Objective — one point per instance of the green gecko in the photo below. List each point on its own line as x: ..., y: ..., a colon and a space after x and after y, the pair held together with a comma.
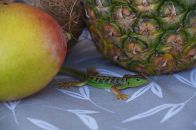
x: 93, y: 78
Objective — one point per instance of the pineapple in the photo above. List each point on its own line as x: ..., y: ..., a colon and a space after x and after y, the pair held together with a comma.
x: 149, y: 36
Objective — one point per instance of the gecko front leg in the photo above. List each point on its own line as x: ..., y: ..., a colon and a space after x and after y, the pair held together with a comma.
x: 68, y: 84
x: 118, y: 94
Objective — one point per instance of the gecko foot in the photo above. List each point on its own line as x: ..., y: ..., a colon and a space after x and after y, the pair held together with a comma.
x: 122, y: 97
x: 118, y: 94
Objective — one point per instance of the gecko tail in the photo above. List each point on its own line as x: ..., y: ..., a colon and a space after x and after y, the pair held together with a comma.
x: 73, y: 72
x: 68, y: 84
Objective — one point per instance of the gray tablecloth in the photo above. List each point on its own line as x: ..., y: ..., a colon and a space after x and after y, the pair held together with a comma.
x: 167, y: 103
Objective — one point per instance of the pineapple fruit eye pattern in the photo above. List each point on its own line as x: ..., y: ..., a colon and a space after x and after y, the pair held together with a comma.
x: 148, y: 36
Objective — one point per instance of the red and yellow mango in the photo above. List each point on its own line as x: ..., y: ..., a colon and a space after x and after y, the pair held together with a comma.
x: 32, y: 50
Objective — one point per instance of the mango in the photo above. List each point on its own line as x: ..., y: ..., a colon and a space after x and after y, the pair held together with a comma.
x: 32, y: 50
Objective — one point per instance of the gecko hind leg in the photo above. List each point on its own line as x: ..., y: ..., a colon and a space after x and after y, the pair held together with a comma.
x: 68, y: 84
x: 118, y: 94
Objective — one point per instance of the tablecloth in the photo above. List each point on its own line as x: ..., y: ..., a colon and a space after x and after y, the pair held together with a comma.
x: 168, y: 102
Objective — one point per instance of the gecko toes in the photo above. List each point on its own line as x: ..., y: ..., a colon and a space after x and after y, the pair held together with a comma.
x: 122, y: 97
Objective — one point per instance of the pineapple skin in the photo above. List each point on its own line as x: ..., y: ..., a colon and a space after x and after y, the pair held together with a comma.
x: 148, y: 36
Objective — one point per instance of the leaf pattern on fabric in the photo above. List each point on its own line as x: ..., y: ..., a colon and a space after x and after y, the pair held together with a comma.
x: 183, y: 80
x: 89, y: 121
x: 173, y: 111
x: 138, y: 93
x: 11, y: 105
x: 154, y: 87
x: 83, y: 115
x: 191, y: 82
x: 42, y: 124
x: 193, y: 76
x: 73, y: 94
x: 148, y: 113
x: 85, y: 35
x: 83, y: 95
x: 108, y: 90
x: 108, y: 72
x: 84, y: 92
x: 78, y: 111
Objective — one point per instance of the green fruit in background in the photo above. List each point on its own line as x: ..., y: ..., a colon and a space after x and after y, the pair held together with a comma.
x: 32, y: 49
x: 148, y: 36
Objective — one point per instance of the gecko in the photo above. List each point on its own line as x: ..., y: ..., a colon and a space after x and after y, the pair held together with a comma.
x: 93, y: 78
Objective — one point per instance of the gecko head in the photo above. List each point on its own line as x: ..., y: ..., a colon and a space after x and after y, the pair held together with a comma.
x: 137, y: 80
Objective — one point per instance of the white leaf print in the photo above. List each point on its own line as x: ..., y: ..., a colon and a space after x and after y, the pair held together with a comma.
x: 193, y: 76
x: 54, y: 107
x: 156, y: 89
x: 89, y: 121
x: 173, y: 111
x: 138, y: 93
x: 108, y: 90
x: 73, y: 94
x: 155, y: 78
x: 84, y: 95
x: 183, y: 80
x: 85, y: 35
x: 84, y: 92
x: 148, y: 113
x: 83, y: 111
x: 42, y: 124
x: 110, y: 73
x: 11, y: 105
x: 100, y: 107
x: 77, y: 111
